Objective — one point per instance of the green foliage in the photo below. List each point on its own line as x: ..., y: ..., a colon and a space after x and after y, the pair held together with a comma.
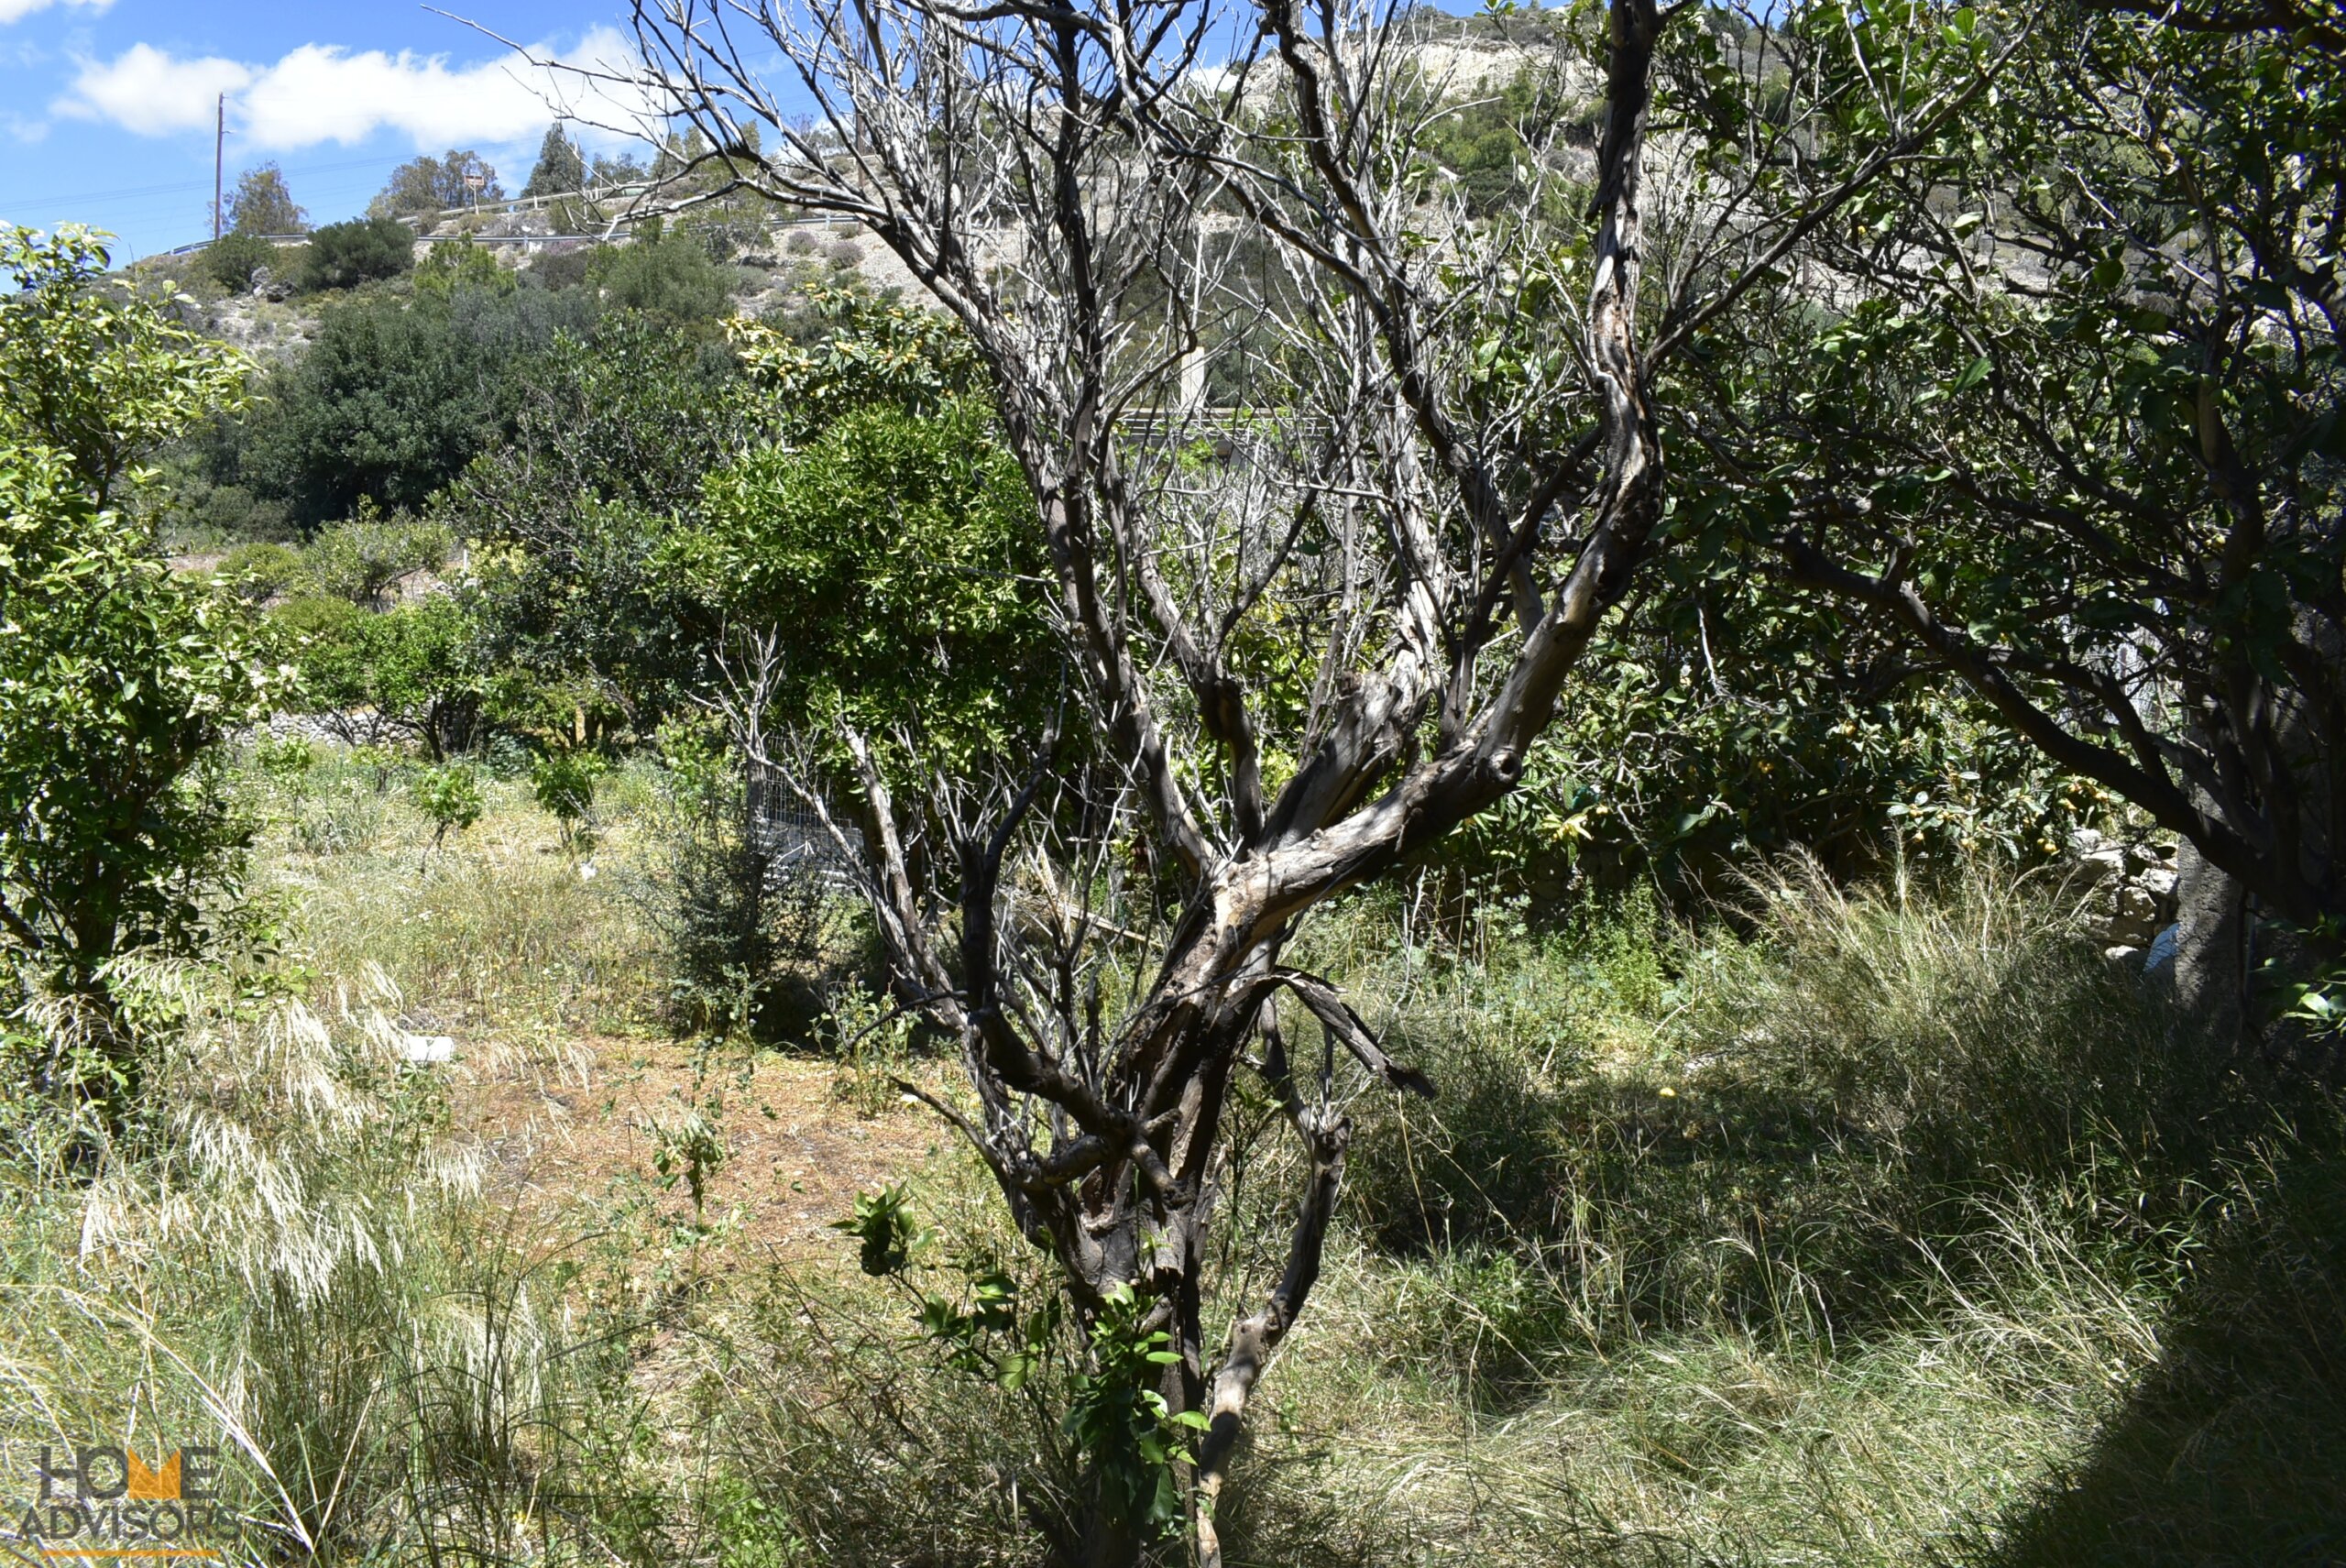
x: 450, y: 797
x: 1488, y: 143
x: 117, y: 677
x: 896, y: 559
x: 2109, y: 479
x: 1727, y: 721
x: 625, y: 168
x: 560, y: 169
x: 194, y: 512
x: 232, y: 261
x: 669, y: 276
x: 884, y: 1231
x: 361, y: 559
x: 564, y: 784
x: 261, y: 205
x: 613, y: 433
x: 95, y: 372
x: 116, y: 681
x: 688, y: 1148
x: 2308, y: 994
x: 1120, y: 1423
x: 391, y: 400
x: 345, y: 255
x: 450, y: 267
x: 260, y: 571
x: 988, y: 1332
x: 748, y: 951
x: 872, y: 1041
x: 408, y: 669
x: 426, y: 184
x: 1116, y: 1420
x: 848, y: 351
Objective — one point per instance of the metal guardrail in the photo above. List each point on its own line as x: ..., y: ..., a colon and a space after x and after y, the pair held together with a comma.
x: 416, y: 220
x: 285, y: 241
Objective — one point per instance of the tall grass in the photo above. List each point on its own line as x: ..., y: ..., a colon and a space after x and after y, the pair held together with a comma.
x: 1900, y: 1228
x: 1886, y: 1232
x: 497, y: 929
x: 289, y: 1258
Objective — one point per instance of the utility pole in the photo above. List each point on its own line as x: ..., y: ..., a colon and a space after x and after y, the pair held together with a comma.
x: 219, y: 149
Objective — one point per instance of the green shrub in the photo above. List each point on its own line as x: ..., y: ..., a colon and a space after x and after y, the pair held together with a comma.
x: 198, y: 514
x: 448, y: 267
x: 361, y: 560
x: 260, y: 573
x: 118, y: 677
x: 450, y: 797
x: 392, y: 399
x: 748, y: 947
x: 562, y: 266
x: 564, y: 783
x: 232, y: 259
x: 345, y: 255
x: 669, y: 276
x: 405, y: 671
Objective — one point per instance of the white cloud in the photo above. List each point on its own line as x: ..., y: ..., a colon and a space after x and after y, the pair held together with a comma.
x: 320, y: 93
x: 15, y: 10
x: 150, y: 93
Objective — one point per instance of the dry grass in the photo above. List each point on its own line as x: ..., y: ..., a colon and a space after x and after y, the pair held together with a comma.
x: 497, y: 929
x: 1898, y: 1232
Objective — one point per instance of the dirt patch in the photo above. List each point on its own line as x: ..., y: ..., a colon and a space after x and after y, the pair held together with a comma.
x: 566, y: 1139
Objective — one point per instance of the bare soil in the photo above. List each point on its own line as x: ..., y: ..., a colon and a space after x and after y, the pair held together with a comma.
x: 568, y: 1138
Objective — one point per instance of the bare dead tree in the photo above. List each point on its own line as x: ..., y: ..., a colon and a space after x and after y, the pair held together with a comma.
x: 1312, y: 633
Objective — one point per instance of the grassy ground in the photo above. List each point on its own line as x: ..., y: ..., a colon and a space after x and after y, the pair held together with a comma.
x: 1903, y: 1230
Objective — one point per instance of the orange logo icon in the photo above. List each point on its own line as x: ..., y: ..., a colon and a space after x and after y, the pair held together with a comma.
x: 161, y: 1484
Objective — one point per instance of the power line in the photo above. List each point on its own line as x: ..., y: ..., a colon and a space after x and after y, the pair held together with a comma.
x: 186, y: 186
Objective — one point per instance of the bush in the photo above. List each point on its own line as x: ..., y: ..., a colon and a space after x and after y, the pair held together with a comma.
x: 199, y: 514
x: 669, y: 276
x: 388, y: 405
x: 392, y: 398
x: 748, y: 947
x: 118, y: 677
x: 260, y: 573
x: 564, y: 784
x: 363, y: 559
x: 450, y: 268
x: 232, y: 260
x: 450, y: 797
x: 345, y: 255
x: 402, y: 672
x: 562, y: 266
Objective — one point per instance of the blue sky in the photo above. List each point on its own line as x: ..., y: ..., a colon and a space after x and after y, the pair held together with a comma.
x: 106, y: 106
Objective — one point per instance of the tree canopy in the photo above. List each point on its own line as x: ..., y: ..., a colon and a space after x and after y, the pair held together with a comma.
x: 263, y: 204
x: 117, y: 676
x: 428, y: 184
x: 561, y: 167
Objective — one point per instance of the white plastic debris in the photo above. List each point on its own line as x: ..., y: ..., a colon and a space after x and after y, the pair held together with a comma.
x: 427, y: 1049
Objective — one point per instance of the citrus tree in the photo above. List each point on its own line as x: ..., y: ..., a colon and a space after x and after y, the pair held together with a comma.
x: 117, y: 677
x: 2055, y: 403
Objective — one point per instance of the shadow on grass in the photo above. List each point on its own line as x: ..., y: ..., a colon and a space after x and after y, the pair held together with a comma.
x: 2233, y: 1451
